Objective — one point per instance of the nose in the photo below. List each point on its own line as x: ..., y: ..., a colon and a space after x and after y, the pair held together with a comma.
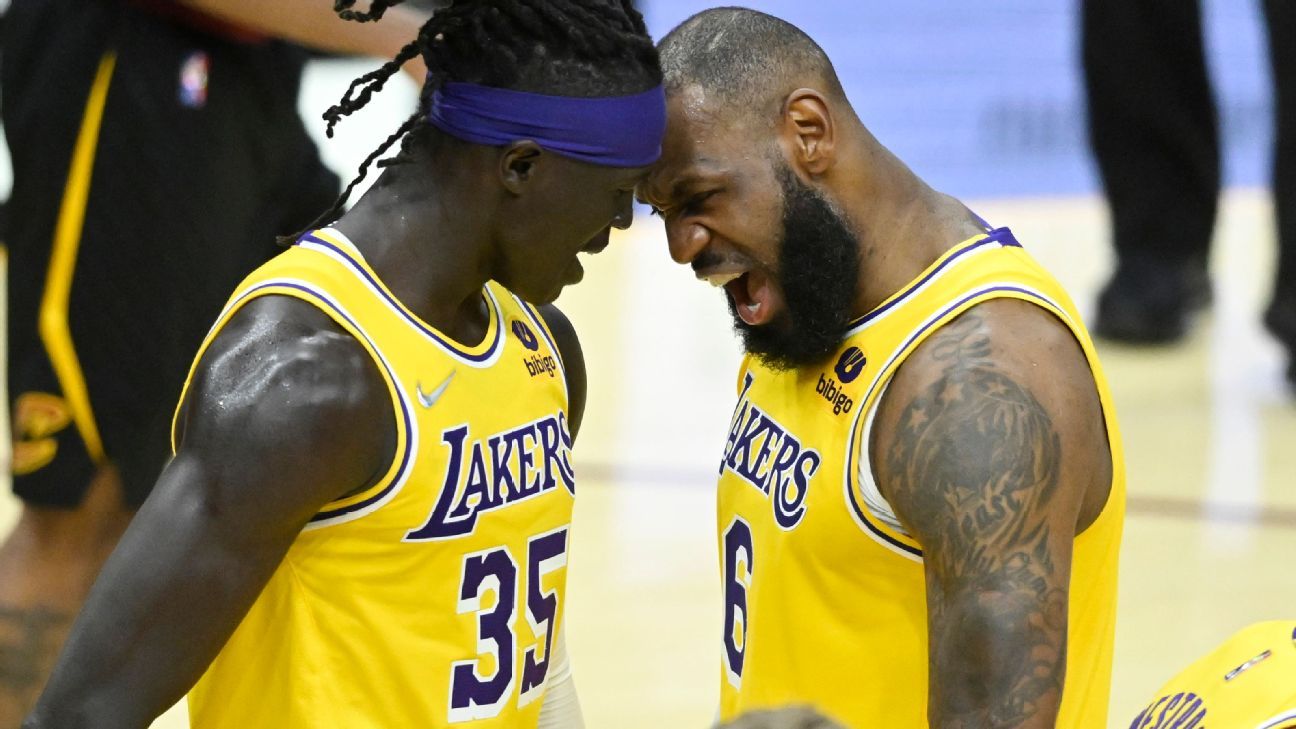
x: 686, y: 241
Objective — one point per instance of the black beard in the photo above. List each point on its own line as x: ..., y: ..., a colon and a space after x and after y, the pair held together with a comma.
x: 819, y: 276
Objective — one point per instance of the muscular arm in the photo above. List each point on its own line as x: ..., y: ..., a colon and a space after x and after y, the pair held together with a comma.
x: 286, y: 413
x: 313, y: 23
x: 991, y: 447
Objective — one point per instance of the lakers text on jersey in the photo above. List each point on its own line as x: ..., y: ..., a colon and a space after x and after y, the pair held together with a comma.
x: 825, y: 599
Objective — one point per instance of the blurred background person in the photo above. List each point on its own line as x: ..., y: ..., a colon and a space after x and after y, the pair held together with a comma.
x: 157, y: 152
x: 1154, y: 130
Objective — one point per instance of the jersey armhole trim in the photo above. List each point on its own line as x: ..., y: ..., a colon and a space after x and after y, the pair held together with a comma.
x: 875, y: 503
x: 872, y: 525
x: 1285, y: 720
x: 857, y: 459
x: 538, y: 320
x: 383, y: 490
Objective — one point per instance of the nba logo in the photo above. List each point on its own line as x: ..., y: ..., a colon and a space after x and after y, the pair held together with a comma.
x: 525, y: 335
x: 850, y: 365
x: 194, y: 73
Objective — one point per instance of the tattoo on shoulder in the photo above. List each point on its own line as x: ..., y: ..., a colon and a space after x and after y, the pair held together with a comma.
x: 974, y: 463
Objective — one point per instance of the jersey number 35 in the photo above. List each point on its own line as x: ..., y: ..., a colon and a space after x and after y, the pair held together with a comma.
x: 477, y: 696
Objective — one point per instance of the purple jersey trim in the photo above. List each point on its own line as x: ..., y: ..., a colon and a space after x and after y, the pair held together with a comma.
x: 1001, y: 236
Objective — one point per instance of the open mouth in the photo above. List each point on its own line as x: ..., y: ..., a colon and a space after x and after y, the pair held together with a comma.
x: 720, y: 280
x: 750, y: 291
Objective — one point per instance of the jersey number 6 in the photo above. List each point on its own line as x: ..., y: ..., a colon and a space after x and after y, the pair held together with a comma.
x: 737, y: 581
x: 472, y: 695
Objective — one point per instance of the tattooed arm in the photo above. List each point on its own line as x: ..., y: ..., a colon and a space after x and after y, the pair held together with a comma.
x: 991, y: 448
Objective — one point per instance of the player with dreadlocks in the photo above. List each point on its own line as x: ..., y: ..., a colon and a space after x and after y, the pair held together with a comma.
x: 366, y: 520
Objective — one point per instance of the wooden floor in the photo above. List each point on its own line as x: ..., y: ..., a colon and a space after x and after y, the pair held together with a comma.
x: 1210, y: 435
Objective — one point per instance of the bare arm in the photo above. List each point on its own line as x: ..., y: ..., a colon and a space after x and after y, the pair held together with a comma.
x: 314, y: 23
x: 990, y: 438
x: 561, y: 707
x: 262, y: 451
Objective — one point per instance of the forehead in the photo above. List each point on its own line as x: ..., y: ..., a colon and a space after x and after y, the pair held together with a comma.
x: 580, y: 173
x: 701, y: 141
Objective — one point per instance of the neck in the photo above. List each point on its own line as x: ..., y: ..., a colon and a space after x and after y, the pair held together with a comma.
x: 427, y: 236
x: 901, y: 223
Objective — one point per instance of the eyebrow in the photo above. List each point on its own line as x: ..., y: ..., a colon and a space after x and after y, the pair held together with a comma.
x: 677, y: 187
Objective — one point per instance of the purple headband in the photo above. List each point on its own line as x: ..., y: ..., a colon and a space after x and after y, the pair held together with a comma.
x: 612, y: 131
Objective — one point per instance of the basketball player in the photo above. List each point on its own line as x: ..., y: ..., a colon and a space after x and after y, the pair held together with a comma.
x: 157, y: 150
x: 366, y: 520
x: 921, y: 494
x: 1248, y: 682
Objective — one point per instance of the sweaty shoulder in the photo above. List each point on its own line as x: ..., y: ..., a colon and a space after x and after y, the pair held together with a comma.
x: 283, y: 389
x: 1002, y: 396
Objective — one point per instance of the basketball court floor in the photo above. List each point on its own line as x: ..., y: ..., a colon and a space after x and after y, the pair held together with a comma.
x: 1210, y: 436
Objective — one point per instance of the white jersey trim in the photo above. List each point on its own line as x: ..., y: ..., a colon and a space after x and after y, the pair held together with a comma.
x: 876, y: 503
x: 1280, y: 721
x: 858, y: 464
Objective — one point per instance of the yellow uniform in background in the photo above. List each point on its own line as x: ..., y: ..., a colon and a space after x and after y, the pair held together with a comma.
x: 825, y: 599
x: 433, y: 597
x: 1249, y: 682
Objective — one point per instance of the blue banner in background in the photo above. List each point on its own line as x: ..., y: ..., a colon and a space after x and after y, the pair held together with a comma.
x: 986, y: 99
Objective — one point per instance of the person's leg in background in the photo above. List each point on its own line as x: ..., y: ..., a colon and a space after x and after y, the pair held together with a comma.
x: 1280, y: 17
x: 72, y: 511
x: 1153, y: 128
x: 199, y: 163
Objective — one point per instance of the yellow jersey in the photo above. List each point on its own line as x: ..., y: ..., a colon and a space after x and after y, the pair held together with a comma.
x: 1249, y: 682
x: 825, y: 599
x: 433, y: 597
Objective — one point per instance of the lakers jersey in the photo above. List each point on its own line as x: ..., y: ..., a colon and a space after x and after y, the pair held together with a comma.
x: 433, y: 597
x: 1249, y: 682
x: 825, y: 599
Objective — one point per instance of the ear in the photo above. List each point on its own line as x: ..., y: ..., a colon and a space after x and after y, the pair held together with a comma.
x: 808, y: 131
x: 517, y: 164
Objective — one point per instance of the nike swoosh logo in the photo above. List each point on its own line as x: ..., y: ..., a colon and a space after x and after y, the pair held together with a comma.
x: 428, y: 399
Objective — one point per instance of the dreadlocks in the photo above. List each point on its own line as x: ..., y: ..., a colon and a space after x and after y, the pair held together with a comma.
x: 583, y: 48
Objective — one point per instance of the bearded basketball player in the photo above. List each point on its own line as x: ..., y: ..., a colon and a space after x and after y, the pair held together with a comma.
x: 921, y: 493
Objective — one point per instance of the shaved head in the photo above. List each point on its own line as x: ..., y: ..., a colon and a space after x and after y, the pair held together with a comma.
x: 758, y: 133
x: 744, y: 59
